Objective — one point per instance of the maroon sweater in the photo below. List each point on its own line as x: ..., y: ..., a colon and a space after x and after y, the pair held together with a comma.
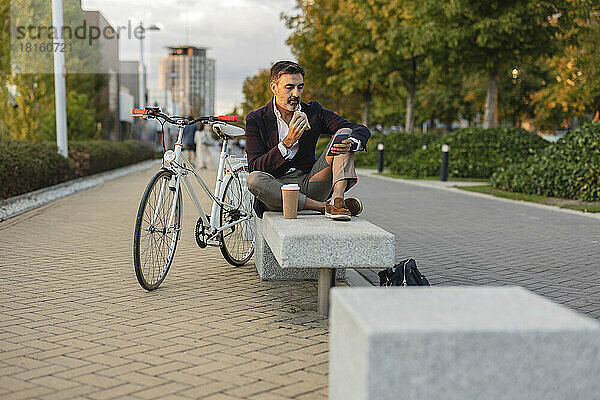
x: 262, y: 138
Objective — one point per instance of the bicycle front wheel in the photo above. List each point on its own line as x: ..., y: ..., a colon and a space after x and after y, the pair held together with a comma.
x: 237, y: 241
x: 157, y: 230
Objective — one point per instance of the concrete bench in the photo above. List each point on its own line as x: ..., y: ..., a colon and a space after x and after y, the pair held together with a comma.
x: 312, y: 247
x: 459, y: 343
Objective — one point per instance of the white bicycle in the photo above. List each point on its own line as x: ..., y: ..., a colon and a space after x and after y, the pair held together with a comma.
x: 230, y: 225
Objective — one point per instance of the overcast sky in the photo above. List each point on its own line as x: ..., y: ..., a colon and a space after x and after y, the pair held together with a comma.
x: 241, y: 35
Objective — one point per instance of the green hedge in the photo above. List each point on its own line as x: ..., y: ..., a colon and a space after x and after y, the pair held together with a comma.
x: 474, y: 152
x: 25, y: 166
x: 396, y: 144
x: 90, y: 157
x: 569, y: 169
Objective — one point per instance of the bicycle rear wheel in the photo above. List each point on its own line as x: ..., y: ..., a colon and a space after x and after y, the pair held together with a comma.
x: 154, y: 240
x: 237, y: 242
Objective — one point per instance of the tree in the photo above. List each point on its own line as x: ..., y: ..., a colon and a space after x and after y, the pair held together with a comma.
x: 448, y: 94
x: 30, y: 76
x: 516, y: 88
x: 572, y: 88
x: 34, y: 100
x: 80, y: 120
x: 492, y: 37
x: 333, y: 45
x: 352, y: 54
x: 400, y: 43
x: 256, y: 90
x: 6, y: 99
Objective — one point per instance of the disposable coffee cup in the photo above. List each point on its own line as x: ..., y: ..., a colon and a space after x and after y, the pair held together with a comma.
x: 290, y: 200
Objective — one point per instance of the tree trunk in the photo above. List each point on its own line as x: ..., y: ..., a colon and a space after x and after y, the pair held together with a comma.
x: 367, y: 99
x: 410, y: 101
x: 490, y: 117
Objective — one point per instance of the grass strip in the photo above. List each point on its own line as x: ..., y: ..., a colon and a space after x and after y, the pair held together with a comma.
x: 585, y: 206
x: 431, y: 178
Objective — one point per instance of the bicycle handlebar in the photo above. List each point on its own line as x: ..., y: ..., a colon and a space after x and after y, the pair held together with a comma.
x: 154, y: 112
x: 227, y: 118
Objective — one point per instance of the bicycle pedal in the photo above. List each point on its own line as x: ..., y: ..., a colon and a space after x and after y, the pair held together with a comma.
x: 213, y: 243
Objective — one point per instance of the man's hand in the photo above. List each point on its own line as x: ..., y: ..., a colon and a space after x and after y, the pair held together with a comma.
x: 342, y: 148
x: 298, y: 125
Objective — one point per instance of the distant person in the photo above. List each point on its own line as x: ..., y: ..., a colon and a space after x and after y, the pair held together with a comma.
x: 203, y: 143
x: 189, y: 147
x: 280, y: 143
x: 596, y: 116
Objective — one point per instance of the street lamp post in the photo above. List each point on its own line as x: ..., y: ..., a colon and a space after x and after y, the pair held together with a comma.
x: 59, y: 82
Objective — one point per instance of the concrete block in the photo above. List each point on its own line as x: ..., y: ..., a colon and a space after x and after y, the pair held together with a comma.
x: 459, y: 343
x: 312, y: 241
x: 269, y: 270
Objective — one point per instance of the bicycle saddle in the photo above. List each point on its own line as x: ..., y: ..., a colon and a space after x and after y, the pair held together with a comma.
x: 229, y: 131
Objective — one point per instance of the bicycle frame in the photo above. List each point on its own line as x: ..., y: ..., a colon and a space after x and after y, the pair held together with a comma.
x: 181, y: 166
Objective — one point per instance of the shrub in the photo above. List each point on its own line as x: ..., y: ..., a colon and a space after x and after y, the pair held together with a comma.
x: 474, y: 152
x: 26, y: 166
x: 396, y: 144
x: 90, y: 157
x: 569, y: 169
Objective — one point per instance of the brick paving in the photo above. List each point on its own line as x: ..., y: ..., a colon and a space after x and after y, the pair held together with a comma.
x: 459, y: 239
x: 74, y: 323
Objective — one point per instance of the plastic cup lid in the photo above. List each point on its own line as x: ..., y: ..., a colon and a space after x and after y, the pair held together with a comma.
x: 290, y: 186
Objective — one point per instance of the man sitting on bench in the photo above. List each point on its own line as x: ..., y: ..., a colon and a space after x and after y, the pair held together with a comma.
x: 280, y: 143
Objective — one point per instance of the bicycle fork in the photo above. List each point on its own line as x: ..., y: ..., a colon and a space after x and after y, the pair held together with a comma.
x: 163, y: 188
x: 178, y: 146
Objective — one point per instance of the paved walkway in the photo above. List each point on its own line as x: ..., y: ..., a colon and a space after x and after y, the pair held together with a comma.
x: 74, y: 323
x: 461, y: 239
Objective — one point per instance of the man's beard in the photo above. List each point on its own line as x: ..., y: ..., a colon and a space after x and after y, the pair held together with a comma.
x: 294, y: 101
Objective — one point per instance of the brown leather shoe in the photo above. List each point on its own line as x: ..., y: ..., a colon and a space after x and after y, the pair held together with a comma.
x: 337, y: 210
x: 353, y: 205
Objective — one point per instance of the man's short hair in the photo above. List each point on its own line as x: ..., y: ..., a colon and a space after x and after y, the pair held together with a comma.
x: 285, y: 67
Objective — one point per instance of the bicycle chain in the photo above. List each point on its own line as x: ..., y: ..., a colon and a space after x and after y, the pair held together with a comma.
x: 201, y: 236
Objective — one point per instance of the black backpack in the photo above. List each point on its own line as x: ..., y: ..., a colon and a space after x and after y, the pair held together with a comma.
x: 405, y: 273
